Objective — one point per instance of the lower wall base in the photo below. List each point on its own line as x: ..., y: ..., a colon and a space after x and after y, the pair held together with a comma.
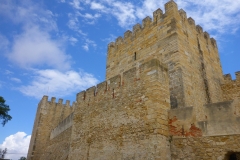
x: 152, y: 147
x: 205, y: 148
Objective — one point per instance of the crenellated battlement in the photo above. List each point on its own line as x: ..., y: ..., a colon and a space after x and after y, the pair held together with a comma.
x: 157, y: 15
x: 206, y: 35
x: 231, y: 87
x: 228, y: 78
x: 159, y: 19
x: 198, y: 28
x: 191, y: 21
x: 59, y: 102
x: 109, y: 88
x: 183, y: 14
x: 137, y: 28
x: 147, y: 24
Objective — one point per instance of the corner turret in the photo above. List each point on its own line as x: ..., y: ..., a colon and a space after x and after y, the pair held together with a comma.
x: 171, y: 8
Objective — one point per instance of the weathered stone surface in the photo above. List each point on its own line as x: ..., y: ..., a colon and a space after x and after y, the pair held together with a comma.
x: 205, y: 148
x: 125, y: 121
x: 164, y: 98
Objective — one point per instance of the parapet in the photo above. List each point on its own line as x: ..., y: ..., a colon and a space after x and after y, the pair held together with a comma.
x: 206, y: 35
x: 90, y: 93
x: 107, y: 88
x: 183, y: 14
x: 237, y: 75
x: 213, y: 41
x: 44, y: 98
x: 191, y: 21
x: 127, y: 34
x: 158, y: 16
x: 228, y: 78
x: 53, y: 100
x: 119, y: 40
x: 171, y: 6
x: 136, y: 28
x: 146, y: 22
x: 199, y: 29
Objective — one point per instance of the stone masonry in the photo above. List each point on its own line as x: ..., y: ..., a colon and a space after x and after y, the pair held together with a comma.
x: 164, y: 98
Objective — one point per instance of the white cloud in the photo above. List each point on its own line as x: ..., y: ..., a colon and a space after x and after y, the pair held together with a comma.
x: 28, y: 13
x: 111, y: 38
x: 73, y: 24
x: 214, y: 15
x: 17, y: 145
x: 88, y: 43
x: 36, y: 48
x: 34, y: 45
x: 148, y: 7
x: 73, y: 40
x: 16, y: 80
x: 85, y: 47
x: 89, y: 18
x: 95, y: 5
x: 76, y: 4
x: 218, y: 16
x: 54, y: 82
x: 123, y: 11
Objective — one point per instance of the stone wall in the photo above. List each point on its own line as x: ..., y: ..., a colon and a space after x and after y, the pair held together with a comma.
x: 205, y: 148
x: 49, y: 115
x: 58, y: 148
x: 215, y: 138
x: 124, y: 117
x: 62, y: 126
x: 220, y: 119
x: 231, y: 88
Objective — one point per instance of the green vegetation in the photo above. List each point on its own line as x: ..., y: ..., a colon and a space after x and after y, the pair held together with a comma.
x: 4, y: 116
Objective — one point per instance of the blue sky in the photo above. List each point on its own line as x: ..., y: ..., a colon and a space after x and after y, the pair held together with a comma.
x: 59, y: 48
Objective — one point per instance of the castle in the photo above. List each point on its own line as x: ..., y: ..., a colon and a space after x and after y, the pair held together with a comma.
x: 164, y: 98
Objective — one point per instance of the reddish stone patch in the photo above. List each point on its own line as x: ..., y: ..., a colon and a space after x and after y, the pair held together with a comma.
x: 174, y: 131
x: 194, y: 131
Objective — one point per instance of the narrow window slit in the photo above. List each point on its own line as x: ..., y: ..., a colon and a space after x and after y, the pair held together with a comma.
x: 113, y: 94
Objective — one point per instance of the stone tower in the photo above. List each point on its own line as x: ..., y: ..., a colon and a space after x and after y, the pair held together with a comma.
x: 49, y: 115
x: 192, y: 58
